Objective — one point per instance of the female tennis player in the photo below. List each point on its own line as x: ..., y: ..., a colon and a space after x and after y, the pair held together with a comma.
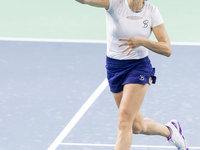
x: 129, y: 70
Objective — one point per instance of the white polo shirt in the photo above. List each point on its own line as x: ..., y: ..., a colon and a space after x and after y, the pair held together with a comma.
x: 122, y: 22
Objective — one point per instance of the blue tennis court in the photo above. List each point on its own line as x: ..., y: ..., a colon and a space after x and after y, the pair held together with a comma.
x: 54, y: 95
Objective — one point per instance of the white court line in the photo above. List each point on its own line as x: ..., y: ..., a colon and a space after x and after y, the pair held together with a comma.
x: 113, y: 145
x: 93, y: 97
x: 186, y: 43
x: 79, y: 114
x: 51, y: 40
x: 80, y: 41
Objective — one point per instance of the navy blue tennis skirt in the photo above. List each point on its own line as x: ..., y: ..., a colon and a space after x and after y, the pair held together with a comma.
x: 121, y: 72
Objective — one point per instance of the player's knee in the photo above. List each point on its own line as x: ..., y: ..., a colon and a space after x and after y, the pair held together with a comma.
x: 138, y: 128
x: 124, y: 121
x: 123, y: 125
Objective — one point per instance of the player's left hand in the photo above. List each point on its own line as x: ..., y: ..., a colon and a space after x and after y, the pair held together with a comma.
x: 131, y: 43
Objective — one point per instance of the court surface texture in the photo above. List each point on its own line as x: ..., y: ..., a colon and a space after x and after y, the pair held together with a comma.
x: 54, y: 95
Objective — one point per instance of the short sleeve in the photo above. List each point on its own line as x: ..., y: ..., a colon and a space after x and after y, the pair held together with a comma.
x: 113, y: 5
x: 156, y: 18
x: 110, y: 6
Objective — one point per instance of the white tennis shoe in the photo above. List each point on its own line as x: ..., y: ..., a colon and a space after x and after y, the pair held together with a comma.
x: 176, y: 138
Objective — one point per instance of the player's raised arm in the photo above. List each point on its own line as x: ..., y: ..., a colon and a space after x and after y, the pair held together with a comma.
x: 95, y: 3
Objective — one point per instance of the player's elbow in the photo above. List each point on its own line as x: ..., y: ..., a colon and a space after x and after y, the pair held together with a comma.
x: 168, y: 52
